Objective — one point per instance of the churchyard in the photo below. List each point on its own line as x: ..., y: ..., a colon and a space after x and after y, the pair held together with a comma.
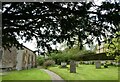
x: 87, y: 72
x: 72, y: 71
x: 74, y: 26
x: 69, y: 66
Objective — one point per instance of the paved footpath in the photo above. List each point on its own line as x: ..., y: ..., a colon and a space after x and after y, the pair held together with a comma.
x: 54, y: 76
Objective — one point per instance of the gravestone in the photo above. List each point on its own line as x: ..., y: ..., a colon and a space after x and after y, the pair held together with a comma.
x: 63, y: 64
x: 103, y: 62
x: 98, y: 64
x: 77, y: 63
x: 118, y: 64
x: 86, y: 62
x: 114, y: 63
x: 72, y: 66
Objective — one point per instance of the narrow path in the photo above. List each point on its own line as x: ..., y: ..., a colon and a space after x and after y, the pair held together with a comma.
x: 54, y: 77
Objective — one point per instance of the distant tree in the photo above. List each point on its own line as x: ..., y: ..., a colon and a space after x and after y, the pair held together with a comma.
x: 53, y: 22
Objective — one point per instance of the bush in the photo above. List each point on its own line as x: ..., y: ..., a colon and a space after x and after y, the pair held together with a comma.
x: 40, y: 60
x: 48, y: 63
x: 109, y: 63
x: 105, y: 66
x: 92, y: 63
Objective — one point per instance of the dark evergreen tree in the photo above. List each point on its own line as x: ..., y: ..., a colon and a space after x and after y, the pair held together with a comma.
x: 54, y: 22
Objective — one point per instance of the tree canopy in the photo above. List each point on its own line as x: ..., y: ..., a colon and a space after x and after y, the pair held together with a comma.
x: 114, y: 47
x: 52, y: 22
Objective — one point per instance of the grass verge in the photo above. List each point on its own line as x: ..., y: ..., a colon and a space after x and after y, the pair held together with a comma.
x: 31, y: 74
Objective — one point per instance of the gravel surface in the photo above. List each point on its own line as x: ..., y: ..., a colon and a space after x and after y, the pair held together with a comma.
x: 54, y: 76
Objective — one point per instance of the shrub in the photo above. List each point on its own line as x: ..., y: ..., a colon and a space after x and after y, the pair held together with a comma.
x: 48, y: 63
x: 92, y: 63
x: 40, y: 60
x: 105, y: 66
x: 109, y: 63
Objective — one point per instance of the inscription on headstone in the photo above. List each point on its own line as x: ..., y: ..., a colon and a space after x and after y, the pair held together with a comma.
x: 72, y: 66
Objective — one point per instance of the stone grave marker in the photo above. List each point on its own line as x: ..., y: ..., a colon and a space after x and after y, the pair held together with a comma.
x: 63, y: 64
x: 114, y: 63
x: 72, y: 66
x: 98, y: 64
x: 118, y: 64
x: 103, y: 62
x: 89, y: 62
x: 77, y: 63
x: 86, y: 62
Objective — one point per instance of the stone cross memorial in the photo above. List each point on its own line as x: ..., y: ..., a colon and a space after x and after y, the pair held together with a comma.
x: 98, y: 64
x: 72, y: 66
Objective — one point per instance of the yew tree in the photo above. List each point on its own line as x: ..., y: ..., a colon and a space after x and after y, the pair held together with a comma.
x: 56, y: 22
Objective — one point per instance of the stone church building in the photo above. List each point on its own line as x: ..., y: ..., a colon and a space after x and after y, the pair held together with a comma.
x: 17, y: 59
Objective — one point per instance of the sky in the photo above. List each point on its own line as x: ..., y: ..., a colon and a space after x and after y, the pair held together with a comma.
x: 32, y: 44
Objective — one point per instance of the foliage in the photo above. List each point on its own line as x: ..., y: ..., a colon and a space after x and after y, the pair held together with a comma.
x: 69, y: 54
x: 105, y: 66
x: 52, y: 22
x: 40, y: 60
x: 118, y: 58
x: 114, y: 47
x: 48, y: 63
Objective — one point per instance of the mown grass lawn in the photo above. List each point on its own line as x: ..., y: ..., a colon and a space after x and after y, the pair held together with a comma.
x: 87, y: 72
x: 31, y: 74
x: 0, y: 78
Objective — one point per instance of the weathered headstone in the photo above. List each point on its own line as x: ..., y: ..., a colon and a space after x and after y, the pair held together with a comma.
x: 118, y: 64
x: 89, y: 62
x: 72, y: 66
x: 86, y: 62
x: 98, y: 64
x: 63, y: 64
x: 114, y: 63
x: 103, y: 62
x: 77, y: 63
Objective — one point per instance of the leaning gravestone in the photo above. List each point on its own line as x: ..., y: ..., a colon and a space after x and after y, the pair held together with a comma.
x: 98, y: 64
x: 72, y: 66
x: 63, y: 64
